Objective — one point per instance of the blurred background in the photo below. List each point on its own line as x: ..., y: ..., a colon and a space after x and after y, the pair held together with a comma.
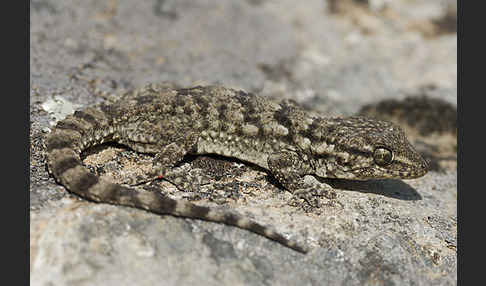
x: 333, y: 55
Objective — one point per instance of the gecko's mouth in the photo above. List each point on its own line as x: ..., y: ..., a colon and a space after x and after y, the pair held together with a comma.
x: 416, y: 174
x: 370, y: 173
x: 416, y: 171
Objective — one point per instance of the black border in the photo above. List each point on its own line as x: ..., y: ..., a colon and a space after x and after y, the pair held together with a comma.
x: 463, y: 193
x: 460, y: 133
x: 20, y: 92
x: 461, y: 276
x: 15, y: 140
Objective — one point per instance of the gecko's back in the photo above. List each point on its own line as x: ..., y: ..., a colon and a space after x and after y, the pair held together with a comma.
x: 226, y: 121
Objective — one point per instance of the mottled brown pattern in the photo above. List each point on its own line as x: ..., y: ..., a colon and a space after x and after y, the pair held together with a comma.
x: 282, y: 138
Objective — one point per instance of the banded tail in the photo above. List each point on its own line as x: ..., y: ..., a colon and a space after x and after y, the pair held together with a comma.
x: 64, y: 146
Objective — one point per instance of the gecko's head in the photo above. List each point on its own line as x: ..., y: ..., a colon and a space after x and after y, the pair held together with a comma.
x: 361, y: 148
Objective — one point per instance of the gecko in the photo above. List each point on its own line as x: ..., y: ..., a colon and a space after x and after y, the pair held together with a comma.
x: 292, y: 144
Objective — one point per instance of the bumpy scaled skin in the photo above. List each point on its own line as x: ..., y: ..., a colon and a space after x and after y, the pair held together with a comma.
x: 282, y: 138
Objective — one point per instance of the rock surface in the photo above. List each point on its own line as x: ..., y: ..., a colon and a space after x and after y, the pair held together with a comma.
x: 331, y: 56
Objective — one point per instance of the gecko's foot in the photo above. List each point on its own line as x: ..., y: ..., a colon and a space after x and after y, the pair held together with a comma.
x: 312, y: 199
x: 187, y: 180
x: 313, y: 195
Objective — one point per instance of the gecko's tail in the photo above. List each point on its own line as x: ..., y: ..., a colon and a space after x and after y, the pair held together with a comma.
x: 63, y: 159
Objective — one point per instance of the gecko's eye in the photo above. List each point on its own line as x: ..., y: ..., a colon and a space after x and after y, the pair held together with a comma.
x: 382, y: 156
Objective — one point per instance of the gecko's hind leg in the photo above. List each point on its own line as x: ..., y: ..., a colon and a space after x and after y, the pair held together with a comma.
x: 165, y: 166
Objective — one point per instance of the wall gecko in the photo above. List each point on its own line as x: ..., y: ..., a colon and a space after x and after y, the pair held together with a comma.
x: 294, y: 145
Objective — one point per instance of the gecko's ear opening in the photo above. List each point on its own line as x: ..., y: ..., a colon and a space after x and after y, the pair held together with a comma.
x: 382, y: 156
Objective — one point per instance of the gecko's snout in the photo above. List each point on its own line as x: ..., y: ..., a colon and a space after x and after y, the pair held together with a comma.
x: 420, y: 168
x: 423, y: 167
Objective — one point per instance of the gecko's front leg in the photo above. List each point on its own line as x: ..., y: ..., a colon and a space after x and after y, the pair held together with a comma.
x: 294, y: 172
